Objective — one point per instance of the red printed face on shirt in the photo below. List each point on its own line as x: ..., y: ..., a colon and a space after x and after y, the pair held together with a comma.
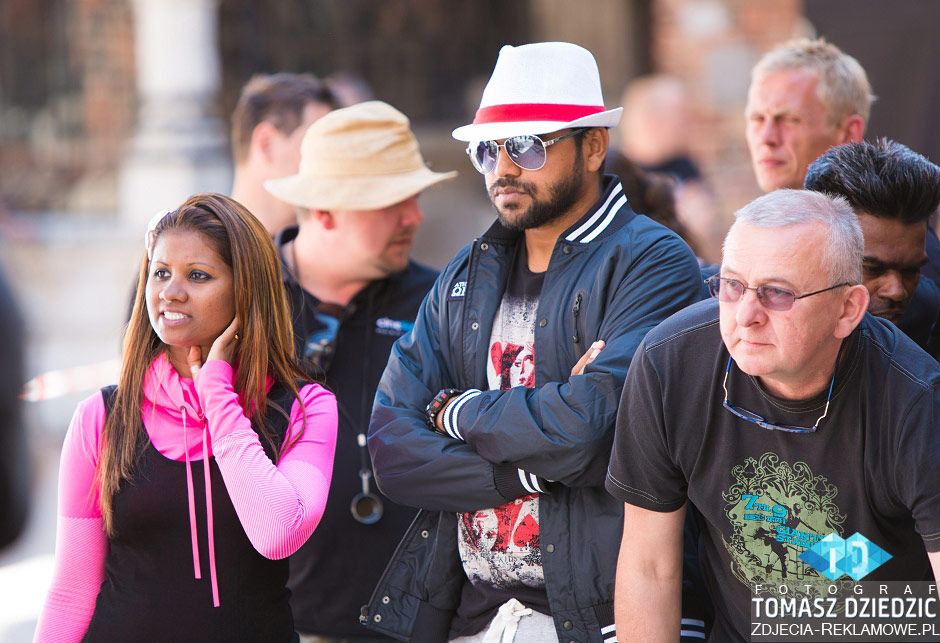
x: 522, y: 371
x: 190, y: 292
x: 515, y: 364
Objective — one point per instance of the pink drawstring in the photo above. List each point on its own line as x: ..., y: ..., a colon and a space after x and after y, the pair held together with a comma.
x: 192, y: 510
x: 192, y: 500
x: 209, y: 523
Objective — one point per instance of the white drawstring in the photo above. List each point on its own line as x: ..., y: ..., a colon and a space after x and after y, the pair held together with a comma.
x: 503, y: 627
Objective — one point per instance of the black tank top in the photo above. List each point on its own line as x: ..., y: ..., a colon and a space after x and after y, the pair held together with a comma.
x: 150, y: 593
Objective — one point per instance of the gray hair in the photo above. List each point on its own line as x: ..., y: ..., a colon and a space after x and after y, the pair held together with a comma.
x: 843, y: 254
x: 843, y: 87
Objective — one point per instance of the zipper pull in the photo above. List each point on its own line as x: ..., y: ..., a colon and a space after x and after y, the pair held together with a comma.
x: 575, y: 310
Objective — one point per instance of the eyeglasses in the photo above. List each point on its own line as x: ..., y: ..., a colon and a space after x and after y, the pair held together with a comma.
x: 772, y: 297
x: 527, y: 151
x: 762, y: 422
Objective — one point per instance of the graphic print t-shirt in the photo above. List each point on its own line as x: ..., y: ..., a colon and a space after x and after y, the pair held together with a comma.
x: 499, y: 547
x: 769, y: 498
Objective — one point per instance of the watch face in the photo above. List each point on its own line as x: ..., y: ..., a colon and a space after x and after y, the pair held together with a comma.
x: 439, y: 402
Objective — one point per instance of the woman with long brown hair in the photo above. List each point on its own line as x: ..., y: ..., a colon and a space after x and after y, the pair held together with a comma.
x: 152, y: 544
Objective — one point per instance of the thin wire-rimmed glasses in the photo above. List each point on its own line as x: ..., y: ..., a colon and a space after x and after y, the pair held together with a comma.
x: 761, y: 421
x: 527, y: 151
x: 772, y: 297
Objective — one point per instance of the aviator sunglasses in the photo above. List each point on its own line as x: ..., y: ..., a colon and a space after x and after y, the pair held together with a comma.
x: 526, y: 150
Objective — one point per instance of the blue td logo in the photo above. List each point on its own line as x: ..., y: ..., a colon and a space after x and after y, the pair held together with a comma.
x: 856, y: 556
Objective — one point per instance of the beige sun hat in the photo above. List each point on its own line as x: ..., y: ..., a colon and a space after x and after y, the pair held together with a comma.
x: 362, y: 157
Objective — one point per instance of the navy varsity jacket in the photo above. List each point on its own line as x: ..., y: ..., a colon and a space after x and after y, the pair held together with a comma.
x: 613, y: 275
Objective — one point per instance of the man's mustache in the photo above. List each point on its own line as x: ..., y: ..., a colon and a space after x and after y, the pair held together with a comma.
x: 509, y: 182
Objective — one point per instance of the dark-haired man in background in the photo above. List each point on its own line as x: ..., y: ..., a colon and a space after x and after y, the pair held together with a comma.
x: 268, y: 123
x: 894, y: 191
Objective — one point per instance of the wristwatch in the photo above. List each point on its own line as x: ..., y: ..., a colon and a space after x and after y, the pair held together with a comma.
x: 439, y: 402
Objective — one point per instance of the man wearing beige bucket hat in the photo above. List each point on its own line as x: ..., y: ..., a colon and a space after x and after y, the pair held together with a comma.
x: 491, y: 417
x: 353, y: 292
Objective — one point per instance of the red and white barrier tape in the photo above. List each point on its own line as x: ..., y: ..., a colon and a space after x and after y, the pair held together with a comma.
x: 53, y: 384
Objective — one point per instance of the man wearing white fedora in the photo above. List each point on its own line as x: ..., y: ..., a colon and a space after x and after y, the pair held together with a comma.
x: 353, y: 291
x: 491, y: 417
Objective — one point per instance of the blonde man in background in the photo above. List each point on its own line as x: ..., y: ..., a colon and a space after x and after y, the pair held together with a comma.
x: 805, y: 97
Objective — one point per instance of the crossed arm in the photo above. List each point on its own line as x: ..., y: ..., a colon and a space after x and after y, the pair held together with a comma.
x: 577, y: 369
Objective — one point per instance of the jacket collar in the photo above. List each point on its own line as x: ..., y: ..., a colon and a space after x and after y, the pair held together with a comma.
x: 599, y: 221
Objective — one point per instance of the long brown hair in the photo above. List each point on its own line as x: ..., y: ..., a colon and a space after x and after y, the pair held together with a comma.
x: 265, y: 347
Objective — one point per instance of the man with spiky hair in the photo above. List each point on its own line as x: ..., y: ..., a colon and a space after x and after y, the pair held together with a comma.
x: 797, y: 425
x: 893, y: 191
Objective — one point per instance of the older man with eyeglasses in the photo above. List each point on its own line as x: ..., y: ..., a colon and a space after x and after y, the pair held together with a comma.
x: 517, y: 538
x: 789, y: 419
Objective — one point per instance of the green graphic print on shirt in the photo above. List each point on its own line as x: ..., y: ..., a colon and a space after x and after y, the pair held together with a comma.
x: 776, y: 511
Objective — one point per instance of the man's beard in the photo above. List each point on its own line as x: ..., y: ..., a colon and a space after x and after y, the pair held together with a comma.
x: 562, y: 196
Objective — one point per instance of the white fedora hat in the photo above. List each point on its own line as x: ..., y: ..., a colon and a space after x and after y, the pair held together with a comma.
x: 362, y: 157
x: 540, y: 88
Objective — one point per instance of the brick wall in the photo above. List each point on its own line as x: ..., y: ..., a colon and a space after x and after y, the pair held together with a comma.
x: 102, y: 56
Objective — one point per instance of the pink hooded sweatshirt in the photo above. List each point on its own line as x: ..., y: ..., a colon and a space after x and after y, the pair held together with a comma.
x: 279, y: 506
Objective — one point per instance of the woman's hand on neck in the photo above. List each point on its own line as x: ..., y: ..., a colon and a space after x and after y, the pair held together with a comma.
x: 183, y: 358
x: 188, y: 360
